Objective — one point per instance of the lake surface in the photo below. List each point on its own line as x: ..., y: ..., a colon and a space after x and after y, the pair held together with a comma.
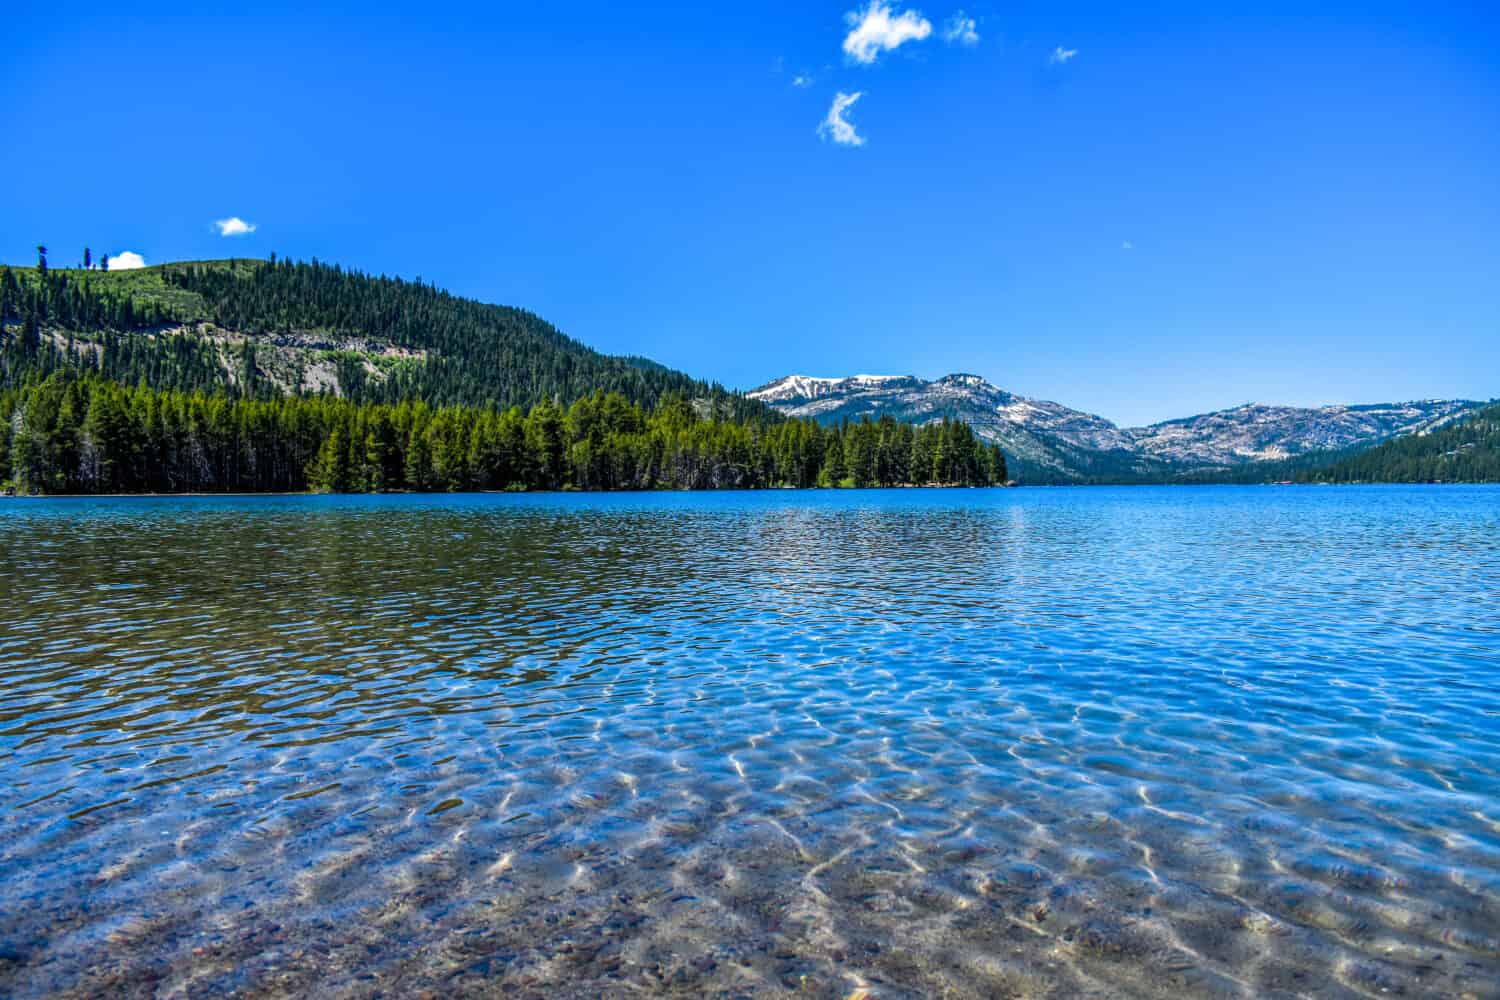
x: 1112, y: 742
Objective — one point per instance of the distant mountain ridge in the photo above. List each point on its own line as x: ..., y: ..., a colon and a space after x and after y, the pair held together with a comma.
x: 1258, y: 433
x: 1050, y: 442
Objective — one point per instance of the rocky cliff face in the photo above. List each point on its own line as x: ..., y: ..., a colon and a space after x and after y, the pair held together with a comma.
x: 1048, y: 441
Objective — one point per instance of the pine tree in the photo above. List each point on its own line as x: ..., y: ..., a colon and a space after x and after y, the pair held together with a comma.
x: 330, y: 471
x: 834, y: 470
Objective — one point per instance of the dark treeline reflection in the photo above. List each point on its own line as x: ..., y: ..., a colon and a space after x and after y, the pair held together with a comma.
x: 83, y: 434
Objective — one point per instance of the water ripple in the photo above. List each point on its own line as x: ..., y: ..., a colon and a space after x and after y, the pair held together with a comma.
x: 1133, y: 742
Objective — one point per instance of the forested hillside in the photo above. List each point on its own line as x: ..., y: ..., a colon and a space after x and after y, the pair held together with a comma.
x: 1464, y: 452
x: 86, y: 434
x: 256, y: 376
x: 257, y: 329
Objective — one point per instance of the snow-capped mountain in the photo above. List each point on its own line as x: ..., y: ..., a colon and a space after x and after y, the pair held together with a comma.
x: 1048, y: 441
x: 810, y: 388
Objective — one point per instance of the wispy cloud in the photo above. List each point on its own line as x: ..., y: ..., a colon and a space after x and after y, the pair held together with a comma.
x: 129, y: 260
x: 876, y: 29
x: 234, y: 226
x: 961, y: 30
x: 802, y: 81
x: 1127, y: 245
x: 1061, y: 55
x: 838, y: 128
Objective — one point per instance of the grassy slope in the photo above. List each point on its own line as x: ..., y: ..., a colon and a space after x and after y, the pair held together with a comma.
x: 146, y: 284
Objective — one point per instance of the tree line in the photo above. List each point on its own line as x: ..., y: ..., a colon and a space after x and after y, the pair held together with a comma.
x: 82, y: 434
x: 87, y: 263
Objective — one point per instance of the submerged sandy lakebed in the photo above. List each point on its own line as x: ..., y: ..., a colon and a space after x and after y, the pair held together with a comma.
x: 1114, y: 742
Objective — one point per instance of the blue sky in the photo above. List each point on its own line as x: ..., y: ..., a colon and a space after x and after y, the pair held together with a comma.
x: 1192, y: 210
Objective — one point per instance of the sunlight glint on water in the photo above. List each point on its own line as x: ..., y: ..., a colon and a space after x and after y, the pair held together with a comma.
x: 1202, y: 742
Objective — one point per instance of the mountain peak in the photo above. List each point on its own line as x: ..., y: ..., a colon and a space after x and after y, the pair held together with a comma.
x: 965, y: 379
x: 1054, y: 443
x: 810, y: 387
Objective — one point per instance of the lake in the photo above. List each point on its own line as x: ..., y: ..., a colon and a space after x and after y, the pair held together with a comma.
x: 1121, y: 742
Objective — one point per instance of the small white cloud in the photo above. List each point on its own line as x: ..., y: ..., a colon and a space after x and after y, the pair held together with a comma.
x: 836, y: 127
x: 961, y: 30
x: 127, y: 261
x: 875, y: 29
x: 1127, y: 245
x: 802, y: 81
x: 1061, y: 55
x: 234, y: 226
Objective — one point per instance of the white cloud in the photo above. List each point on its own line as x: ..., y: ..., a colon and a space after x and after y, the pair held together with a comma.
x: 1061, y: 55
x: 234, y: 226
x: 836, y: 126
x: 802, y: 81
x: 1127, y: 245
x: 127, y: 261
x: 961, y: 30
x: 874, y: 30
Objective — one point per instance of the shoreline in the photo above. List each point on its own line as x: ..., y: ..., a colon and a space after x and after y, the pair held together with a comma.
x: 478, y: 493
x: 765, y: 489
